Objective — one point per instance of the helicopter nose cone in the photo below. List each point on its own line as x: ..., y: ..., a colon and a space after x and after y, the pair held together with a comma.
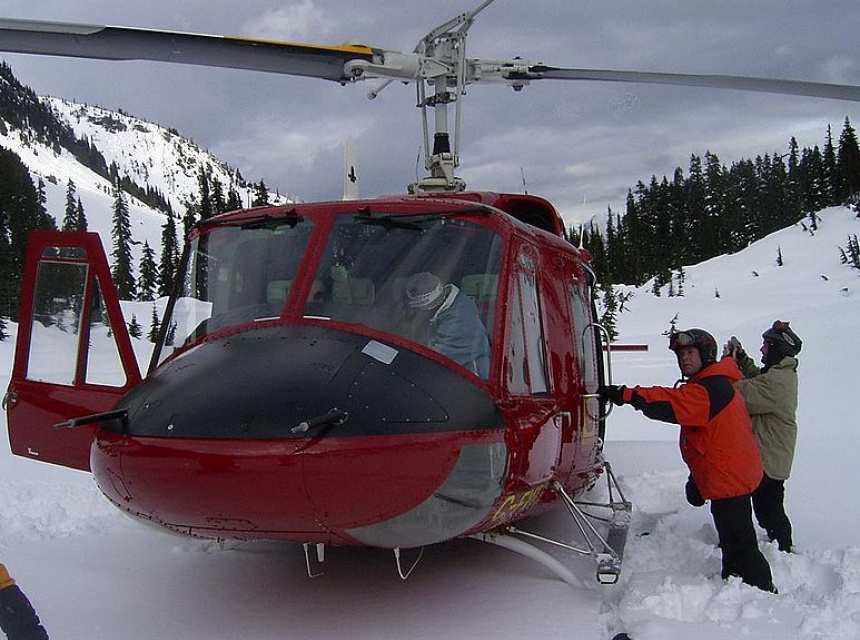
x: 306, y: 434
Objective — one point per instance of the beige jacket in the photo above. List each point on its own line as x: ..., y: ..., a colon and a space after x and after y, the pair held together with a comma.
x: 771, y: 399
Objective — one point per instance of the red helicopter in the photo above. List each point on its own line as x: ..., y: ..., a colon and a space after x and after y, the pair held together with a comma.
x: 308, y: 384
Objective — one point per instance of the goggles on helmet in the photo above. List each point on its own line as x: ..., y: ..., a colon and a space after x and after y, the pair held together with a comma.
x: 681, y: 339
x: 699, y: 339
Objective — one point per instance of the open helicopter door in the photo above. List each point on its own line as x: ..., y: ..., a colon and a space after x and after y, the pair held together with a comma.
x: 73, y: 355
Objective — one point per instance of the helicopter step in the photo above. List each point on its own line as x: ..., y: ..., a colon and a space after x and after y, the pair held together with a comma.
x: 606, y: 550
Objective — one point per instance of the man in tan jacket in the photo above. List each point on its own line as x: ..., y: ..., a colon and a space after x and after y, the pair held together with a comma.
x: 770, y: 394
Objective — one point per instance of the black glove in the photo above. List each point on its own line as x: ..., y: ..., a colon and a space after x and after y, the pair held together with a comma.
x: 694, y: 496
x: 733, y: 348
x: 612, y: 393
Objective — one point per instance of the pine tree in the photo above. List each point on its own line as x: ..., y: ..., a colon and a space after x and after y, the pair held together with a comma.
x: 206, y: 210
x: 696, y: 210
x: 793, y: 195
x: 829, y: 173
x: 121, y: 235
x: 610, y: 311
x: 234, y: 201
x: 779, y: 261
x: 848, y: 165
x: 614, y: 254
x: 81, y: 217
x: 261, y: 195
x: 154, y: 326
x: 70, y: 219
x: 147, y: 283
x: 169, y: 256
x: 814, y: 180
x: 714, y: 236
x: 134, y: 329
x: 219, y: 205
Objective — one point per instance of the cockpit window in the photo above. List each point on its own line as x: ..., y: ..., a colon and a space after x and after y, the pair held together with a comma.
x: 236, y: 274
x: 429, y: 279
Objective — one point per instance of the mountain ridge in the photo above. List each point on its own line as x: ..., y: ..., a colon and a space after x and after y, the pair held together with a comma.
x: 151, y: 156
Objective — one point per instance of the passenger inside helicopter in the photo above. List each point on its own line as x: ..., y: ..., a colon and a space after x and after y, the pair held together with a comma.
x: 368, y: 262
x: 454, y: 326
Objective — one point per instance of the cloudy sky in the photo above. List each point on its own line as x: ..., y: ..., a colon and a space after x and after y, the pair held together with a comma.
x: 582, y: 145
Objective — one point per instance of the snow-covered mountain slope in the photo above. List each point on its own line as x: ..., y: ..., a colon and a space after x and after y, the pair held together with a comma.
x: 148, y: 153
x: 151, y: 155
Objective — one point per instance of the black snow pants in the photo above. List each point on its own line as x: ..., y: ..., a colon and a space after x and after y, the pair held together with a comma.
x: 739, y: 544
x: 768, y: 504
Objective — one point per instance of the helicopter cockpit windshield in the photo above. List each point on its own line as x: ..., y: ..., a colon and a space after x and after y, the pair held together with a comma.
x: 237, y: 274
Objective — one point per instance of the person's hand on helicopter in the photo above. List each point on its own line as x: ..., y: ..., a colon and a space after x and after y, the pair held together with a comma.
x: 613, y: 393
x: 733, y: 348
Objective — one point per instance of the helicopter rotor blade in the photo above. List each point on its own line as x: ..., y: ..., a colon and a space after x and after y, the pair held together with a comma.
x: 347, y: 63
x: 744, y: 83
x: 126, y: 43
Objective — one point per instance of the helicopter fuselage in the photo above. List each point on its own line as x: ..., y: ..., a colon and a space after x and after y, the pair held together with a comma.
x: 295, y: 394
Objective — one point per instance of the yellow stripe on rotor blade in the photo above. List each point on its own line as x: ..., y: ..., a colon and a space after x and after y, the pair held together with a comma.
x: 351, y: 49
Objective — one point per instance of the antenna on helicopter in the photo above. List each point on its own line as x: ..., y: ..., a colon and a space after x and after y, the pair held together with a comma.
x: 350, y: 180
x: 525, y: 186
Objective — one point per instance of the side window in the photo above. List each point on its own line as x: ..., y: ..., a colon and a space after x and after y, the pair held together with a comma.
x: 66, y: 319
x: 585, y: 339
x: 526, y: 366
x: 515, y: 365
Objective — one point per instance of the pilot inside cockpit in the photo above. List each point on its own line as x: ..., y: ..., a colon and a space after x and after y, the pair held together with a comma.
x: 454, y: 326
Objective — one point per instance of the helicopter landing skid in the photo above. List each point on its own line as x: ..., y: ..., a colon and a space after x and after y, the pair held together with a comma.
x: 607, y: 551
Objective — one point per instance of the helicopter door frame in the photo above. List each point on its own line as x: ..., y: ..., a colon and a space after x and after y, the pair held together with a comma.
x: 587, y: 344
x: 63, y: 336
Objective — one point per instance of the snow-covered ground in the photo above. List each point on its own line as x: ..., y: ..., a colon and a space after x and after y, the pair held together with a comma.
x: 92, y: 573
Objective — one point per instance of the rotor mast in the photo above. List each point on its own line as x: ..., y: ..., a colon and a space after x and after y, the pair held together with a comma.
x: 443, y: 56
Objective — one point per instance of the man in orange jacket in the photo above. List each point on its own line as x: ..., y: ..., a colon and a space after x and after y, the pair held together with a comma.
x: 717, y: 443
x: 18, y: 619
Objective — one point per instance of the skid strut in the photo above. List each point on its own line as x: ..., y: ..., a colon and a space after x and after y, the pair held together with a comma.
x: 608, y: 551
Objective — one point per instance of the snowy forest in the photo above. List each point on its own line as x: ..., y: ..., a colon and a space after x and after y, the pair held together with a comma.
x: 715, y: 210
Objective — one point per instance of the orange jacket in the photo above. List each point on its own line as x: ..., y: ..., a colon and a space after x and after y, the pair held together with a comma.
x: 717, y: 440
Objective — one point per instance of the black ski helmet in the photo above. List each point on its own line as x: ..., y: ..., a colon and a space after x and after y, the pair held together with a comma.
x: 781, y: 341
x: 699, y: 338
